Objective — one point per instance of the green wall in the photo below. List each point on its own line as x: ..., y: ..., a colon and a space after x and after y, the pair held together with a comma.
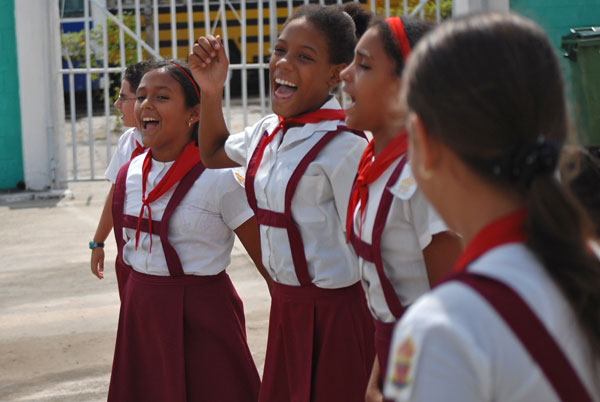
x: 557, y: 17
x: 11, y: 155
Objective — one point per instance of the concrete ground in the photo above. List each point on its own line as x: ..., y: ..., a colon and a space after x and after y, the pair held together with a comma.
x: 57, y: 321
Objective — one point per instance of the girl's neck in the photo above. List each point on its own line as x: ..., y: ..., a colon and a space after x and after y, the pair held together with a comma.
x: 383, y: 136
x: 169, y: 154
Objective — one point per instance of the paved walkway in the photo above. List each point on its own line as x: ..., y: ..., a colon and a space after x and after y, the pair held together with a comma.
x: 58, y: 321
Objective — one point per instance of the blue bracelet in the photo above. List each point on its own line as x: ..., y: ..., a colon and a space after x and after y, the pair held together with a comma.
x: 93, y: 245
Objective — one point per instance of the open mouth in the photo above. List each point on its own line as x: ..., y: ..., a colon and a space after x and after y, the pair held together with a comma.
x: 284, y: 89
x: 149, y: 123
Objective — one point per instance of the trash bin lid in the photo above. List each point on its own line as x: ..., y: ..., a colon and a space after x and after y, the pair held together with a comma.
x: 583, y: 36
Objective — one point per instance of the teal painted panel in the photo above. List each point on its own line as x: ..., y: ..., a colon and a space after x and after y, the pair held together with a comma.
x: 556, y: 17
x: 11, y: 153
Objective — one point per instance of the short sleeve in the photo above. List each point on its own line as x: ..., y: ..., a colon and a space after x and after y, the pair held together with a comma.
x: 120, y: 157
x: 426, y: 220
x: 232, y: 200
x: 342, y: 177
x: 431, y: 358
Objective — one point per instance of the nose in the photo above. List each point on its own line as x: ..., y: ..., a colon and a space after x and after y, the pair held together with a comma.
x: 283, y: 62
x: 346, y: 73
x: 117, y: 103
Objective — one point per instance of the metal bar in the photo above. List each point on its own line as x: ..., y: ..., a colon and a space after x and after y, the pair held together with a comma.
x: 88, y: 85
x: 121, y: 38
x: 106, y: 90
x: 226, y: 45
x: 73, y: 119
x: 92, y: 70
x: 418, y: 8
x: 126, y: 29
x: 173, y: 30
x: 190, y: 21
x: 387, y: 8
x: 405, y: 7
x: 373, y: 8
x: 290, y: 7
x: 261, y: 51
x: 244, y: 69
x: 438, y: 13
x: 155, y: 24
x: 207, y: 18
x: 138, y: 29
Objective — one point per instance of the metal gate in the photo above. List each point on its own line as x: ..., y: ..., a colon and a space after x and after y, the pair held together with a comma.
x: 166, y: 29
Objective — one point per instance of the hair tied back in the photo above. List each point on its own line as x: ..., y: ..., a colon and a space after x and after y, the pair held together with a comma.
x: 397, y: 28
x: 522, y: 163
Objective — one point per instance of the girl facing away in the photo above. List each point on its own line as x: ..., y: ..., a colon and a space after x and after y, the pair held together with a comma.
x: 300, y: 162
x: 520, y: 321
x: 402, y: 244
x: 181, y: 333
x: 128, y: 147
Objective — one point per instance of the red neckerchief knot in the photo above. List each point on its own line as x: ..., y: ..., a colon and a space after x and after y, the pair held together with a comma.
x: 310, y: 117
x: 508, y: 229
x: 369, y: 170
x: 182, y: 165
x: 139, y: 149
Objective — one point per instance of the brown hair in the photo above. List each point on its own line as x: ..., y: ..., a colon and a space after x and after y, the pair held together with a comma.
x: 498, y: 103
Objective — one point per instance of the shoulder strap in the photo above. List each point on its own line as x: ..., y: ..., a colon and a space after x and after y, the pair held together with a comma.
x: 173, y: 261
x: 532, y: 333
x: 389, y: 293
x: 118, y: 205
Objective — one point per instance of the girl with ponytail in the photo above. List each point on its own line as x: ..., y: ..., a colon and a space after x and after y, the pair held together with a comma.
x: 520, y: 319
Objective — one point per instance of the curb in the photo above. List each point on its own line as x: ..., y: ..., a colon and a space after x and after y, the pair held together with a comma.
x: 35, y: 195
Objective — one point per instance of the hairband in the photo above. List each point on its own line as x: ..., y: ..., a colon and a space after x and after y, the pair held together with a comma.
x: 397, y: 28
x: 190, y: 78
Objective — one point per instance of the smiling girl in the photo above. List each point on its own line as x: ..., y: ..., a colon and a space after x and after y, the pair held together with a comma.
x: 300, y: 166
x: 129, y: 146
x: 402, y: 244
x: 181, y: 334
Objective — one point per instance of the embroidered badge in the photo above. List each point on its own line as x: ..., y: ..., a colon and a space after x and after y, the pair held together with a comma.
x: 239, y: 174
x: 406, y: 185
x: 400, y: 374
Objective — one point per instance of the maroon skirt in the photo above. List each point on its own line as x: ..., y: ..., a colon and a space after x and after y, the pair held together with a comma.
x: 182, y: 339
x: 320, y: 345
x: 383, y: 340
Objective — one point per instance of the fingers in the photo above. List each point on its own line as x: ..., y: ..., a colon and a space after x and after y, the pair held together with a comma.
x: 97, y: 262
x: 206, y: 49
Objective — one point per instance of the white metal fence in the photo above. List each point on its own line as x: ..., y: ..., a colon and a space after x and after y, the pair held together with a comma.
x: 91, y: 135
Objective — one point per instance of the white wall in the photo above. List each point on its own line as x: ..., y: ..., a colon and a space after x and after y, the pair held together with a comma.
x: 41, y: 93
x: 460, y: 7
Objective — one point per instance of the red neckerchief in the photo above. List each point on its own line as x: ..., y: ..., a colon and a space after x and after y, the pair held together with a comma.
x: 139, y: 149
x: 508, y: 229
x: 311, y: 117
x: 182, y: 165
x: 369, y: 170
x: 397, y: 28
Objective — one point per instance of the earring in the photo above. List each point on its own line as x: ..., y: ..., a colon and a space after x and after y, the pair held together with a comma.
x: 190, y: 123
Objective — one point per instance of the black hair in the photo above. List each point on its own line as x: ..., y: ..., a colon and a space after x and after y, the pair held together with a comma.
x: 180, y: 72
x: 342, y: 25
x: 134, y: 73
x: 414, y: 29
x: 489, y: 87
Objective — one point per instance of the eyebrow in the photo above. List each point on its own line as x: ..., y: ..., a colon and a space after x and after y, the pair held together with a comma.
x: 158, y: 87
x: 302, y: 46
x: 364, y: 53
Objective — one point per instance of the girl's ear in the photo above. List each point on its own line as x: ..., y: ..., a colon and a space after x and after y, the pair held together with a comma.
x: 334, y: 76
x: 194, y: 116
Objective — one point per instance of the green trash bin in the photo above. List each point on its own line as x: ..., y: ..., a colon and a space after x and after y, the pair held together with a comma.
x: 582, y: 48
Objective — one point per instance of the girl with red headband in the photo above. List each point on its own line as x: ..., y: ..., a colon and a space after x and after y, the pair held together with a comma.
x: 129, y: 146
x: 520, y: 321
x: 402, y: 244
x: 300, y: 165
x: 181, y: 333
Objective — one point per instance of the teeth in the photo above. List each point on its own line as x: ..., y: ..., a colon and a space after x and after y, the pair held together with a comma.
x: 284, y: 82
x: 147, y: 119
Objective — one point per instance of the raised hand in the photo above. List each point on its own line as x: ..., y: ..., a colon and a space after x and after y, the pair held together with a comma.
x: 208, y: 63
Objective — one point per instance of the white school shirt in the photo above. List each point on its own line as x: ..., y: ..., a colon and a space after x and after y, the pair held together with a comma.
x: 201, y: 227
x: 319, y: 205
x: 409, y: 227
x: 125, y: 147
x: 451, y: 345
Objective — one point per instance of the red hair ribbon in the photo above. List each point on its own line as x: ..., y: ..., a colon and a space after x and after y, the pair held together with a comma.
x: 190, y: 78
x: 397, y: 28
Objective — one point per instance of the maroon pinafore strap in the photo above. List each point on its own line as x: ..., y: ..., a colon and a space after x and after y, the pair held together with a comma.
x: 372, y: 252
x: 160, y: 227
x: 534, y: 337
x: 284, y: 219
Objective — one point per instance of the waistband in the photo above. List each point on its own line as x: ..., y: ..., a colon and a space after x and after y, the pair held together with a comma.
x: 185, y: 280
x: 315, y: 292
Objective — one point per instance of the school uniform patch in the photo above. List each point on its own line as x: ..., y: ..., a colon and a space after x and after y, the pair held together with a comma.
x: 406, y: 185
x: 400, y: 373
x: 240, y: 175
